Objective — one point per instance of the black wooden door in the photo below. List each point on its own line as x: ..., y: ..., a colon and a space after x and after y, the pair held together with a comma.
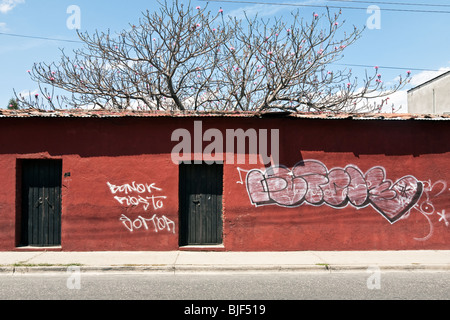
x: 41, y: 203
x: 200, y: 187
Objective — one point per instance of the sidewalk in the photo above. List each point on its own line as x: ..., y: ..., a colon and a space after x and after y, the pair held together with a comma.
x: 198, y: 261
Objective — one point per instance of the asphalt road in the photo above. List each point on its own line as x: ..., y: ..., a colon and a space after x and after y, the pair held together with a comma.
x: 371, y: 285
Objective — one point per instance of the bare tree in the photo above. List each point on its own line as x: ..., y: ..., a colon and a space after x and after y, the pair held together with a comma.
x: 186, y: 58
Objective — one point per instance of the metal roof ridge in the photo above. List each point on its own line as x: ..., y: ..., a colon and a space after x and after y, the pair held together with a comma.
x: 6, y: 113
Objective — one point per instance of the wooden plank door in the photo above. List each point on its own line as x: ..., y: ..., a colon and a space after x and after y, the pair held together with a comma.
x: 200, y: 190
x: 41, y: 203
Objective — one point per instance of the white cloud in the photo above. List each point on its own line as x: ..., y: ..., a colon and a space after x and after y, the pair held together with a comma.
x: 8, y: 5
x: 396, y: 102
x: 21, y: 46
x: 264, y: 10
x: 399, y: 100
x: 425, y: 76
x: 27, y: 94
x: 260, y: 10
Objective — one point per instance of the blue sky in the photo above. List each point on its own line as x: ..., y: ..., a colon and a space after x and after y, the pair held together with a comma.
x: 419, y: 41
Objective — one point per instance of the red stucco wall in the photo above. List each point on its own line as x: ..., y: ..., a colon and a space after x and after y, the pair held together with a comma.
x: 120, y: 151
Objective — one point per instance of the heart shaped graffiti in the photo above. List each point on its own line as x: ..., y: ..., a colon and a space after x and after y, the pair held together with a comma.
x: 311, y: 182
x: 393, y: 201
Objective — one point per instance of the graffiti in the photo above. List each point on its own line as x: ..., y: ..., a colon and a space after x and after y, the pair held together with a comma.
x: 427, y: 205
x: 443, y: 217
x: 312, y: 183
x: 156, y: 202
x: 133, y: 187
x: 136, y: 194
x: 159, y: 223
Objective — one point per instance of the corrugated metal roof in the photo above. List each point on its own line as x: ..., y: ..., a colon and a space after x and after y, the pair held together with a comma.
x: 32, y: 113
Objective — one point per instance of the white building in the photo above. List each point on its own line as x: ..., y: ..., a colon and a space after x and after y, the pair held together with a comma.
x: 431, y: 97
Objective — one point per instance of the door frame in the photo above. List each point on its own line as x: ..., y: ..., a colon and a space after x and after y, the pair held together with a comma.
x: 22, y: 217
x: 183, y: 195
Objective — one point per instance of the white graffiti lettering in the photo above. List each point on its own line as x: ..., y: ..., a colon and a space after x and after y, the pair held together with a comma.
x: 133, y: 195
x: 159, y: 223
x: 155, y: 201
x: 144, y: 194
x: 427, y: 205
x: 133, y: 187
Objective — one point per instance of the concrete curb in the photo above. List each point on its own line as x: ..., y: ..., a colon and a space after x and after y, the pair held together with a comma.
x: 413, y: 267
x: 217, y: 268
x: 201, y: 262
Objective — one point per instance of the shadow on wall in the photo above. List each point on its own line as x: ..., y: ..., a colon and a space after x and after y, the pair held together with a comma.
x: 92, y: 137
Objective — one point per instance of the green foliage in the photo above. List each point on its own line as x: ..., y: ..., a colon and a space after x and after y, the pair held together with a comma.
x: 12, y: 104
